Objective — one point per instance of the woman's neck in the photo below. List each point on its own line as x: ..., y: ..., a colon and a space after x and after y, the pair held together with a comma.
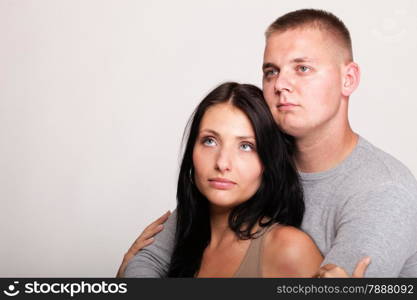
x: 220, y: 230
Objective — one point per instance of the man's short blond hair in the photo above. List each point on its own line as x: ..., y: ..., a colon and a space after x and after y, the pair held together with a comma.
x: 317, y: 19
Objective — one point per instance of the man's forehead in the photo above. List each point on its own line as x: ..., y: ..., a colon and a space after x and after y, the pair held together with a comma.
x: 298, y: 45
x: 303, y: 37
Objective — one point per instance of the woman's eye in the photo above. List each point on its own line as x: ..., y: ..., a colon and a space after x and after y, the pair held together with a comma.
x: 209, y: 142
x: 247, y: 147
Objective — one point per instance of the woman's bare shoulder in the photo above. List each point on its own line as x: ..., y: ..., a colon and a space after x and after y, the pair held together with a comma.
x: 290, y: 252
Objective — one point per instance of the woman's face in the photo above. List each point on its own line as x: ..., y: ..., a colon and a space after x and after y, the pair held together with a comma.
x: 227, y: 169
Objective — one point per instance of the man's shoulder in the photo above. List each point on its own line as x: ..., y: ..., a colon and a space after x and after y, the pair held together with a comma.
x: 370, y: 177
x: 376, y: 159
x: 377, y: 181
x: 374, y: 167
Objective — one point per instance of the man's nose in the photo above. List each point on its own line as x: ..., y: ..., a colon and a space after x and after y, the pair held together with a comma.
x: 283, y: 83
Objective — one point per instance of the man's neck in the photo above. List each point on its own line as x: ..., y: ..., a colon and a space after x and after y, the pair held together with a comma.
x: 325, y: 151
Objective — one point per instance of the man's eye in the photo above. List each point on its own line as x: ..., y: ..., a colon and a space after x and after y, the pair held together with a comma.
x: 269, y: 73
x: 209, y: 141
x: 303, y: 69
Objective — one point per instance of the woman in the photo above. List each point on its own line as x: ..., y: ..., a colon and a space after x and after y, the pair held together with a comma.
x: 239, y: 197
x: 238, y: 186
x: 237, y: 179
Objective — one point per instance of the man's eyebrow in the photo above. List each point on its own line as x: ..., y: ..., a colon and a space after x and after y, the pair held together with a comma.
x: 269, y: 65
x: 295, y: 60
x: 301, y: 59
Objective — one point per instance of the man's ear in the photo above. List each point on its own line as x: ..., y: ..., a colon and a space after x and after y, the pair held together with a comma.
x: 351, y: 78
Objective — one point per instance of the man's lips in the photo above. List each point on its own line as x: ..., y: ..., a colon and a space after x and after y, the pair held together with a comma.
x: 286, y: 106
x: 221, y: 183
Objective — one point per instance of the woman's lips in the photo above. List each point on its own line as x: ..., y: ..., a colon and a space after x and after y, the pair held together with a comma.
x: 221, y: 183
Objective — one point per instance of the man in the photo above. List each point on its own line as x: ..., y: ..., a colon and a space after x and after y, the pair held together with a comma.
x: 359, y: 200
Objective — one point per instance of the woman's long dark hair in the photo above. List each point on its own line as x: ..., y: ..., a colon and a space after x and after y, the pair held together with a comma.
x: 279, y: 198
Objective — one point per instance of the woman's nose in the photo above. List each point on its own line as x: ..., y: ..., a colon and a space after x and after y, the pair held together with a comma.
x: 224, y: 160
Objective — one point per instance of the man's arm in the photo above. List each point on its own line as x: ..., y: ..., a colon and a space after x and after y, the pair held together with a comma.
x: 153, y: 260
x: 333, y: 271
x: 381, y: 224
x: 144, y: 239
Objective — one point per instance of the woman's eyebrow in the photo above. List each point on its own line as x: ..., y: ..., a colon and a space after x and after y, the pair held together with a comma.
x: 210, y: 131
x: 246, y: 137
x: 241, y: 137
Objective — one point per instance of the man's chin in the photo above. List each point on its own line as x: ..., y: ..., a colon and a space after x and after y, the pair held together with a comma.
x: 292, y: 130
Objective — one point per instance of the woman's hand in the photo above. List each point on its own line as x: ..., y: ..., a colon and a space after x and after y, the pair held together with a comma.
x: 145, y: 238
x: 333, y: 271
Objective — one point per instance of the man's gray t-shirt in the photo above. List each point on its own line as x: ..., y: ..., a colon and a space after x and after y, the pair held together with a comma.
x: 366, y: 206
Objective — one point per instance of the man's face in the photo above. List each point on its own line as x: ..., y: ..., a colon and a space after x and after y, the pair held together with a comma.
x: 302, y: 80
